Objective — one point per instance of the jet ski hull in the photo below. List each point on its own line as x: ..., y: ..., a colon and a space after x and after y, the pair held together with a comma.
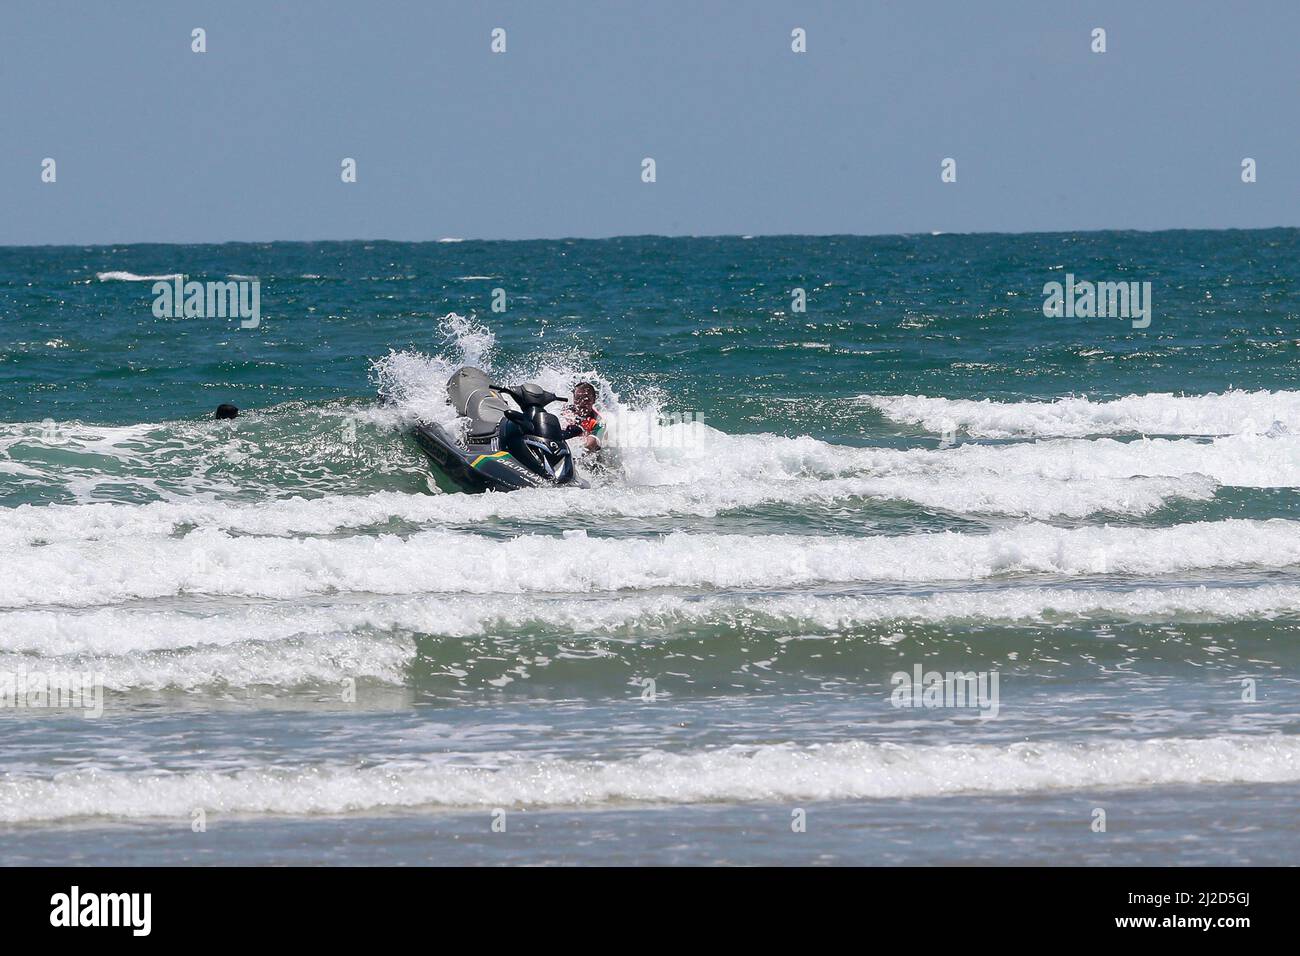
x: 475, y: 468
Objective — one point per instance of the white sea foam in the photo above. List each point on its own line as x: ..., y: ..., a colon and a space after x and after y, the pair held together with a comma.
x: 1230, y: 413
x: 295, y: 644
x: 132, y: 277
x: 1039, y: 498
x: 217, y: 563
x: 1247, y: 460
x: 326, y: 661
x: 416, y: 384
x: 773, y: 773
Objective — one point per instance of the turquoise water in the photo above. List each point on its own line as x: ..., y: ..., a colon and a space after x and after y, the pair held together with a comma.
x: 303, y: 642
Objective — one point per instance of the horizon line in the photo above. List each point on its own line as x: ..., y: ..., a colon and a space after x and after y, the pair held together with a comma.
x: 452, y: 240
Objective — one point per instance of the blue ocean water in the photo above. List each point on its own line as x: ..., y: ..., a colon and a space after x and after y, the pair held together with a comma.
x: 307, y: 646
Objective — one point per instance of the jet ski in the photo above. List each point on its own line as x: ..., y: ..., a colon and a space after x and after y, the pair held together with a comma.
x: 504, y: 448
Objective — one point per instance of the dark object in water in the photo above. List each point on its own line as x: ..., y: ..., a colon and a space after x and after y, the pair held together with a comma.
x: 226, y: 410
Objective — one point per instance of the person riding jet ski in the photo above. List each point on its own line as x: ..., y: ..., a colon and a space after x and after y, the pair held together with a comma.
x: 503, y: 448
x: 581, y: 418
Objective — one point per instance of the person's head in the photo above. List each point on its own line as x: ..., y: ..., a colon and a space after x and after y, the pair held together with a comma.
x: 225, y: 410
x: 584, y: 396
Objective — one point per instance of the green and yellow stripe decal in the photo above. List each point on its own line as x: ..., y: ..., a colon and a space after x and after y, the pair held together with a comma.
x: 495, y: 454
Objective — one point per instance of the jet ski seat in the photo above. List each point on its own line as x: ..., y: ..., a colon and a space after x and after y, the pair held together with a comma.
x: 470, y: 391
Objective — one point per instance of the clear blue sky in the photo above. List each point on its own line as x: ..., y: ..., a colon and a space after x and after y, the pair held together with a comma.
x: 156, y: 143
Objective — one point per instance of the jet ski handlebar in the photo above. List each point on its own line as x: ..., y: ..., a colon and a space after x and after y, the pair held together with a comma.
x: 529, y: 395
